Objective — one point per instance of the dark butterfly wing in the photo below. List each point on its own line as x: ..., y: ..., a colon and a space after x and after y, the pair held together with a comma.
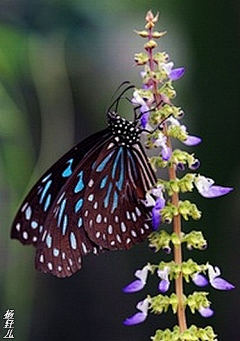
x: 65, y: 241
x: 30, y: 225
x: 114, y: 214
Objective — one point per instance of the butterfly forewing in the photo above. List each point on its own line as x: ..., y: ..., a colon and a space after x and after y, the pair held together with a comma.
x: 65, y: 240
x: 30, y: 225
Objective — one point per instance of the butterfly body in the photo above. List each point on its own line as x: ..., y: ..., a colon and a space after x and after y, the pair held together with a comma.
x: 89, y: 201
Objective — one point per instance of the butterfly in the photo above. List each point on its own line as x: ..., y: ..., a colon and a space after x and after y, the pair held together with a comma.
x: 90, y: 201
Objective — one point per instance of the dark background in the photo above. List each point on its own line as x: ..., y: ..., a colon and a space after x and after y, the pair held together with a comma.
x: 60, y: 62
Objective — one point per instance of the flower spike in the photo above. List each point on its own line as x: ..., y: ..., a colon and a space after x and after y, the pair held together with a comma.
x: 165, y: 202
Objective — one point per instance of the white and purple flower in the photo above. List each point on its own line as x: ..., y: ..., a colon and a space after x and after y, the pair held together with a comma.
x: 216, y: 281
x: 157, y: 205
x: 139, y: 317
x: 213, y: 278
x: 140, y: 282
x: 206, y: 312
x: 173, y: 74
x: 144, y: 107
x: 161, y: 141
x: 164, y: 283
x: 206, y: 188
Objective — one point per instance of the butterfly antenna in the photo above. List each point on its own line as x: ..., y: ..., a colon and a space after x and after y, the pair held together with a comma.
x: 118, y: 88
x: 120, y: 96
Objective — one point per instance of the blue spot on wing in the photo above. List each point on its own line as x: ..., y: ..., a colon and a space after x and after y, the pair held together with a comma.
x: 107, y: 197
x: 64, y: 226
x: 80, y: 184
x: 115, y: 201
x: 45, y: 189
x: 78, y: 205
x: 119, y: 183
x: 68, y: 171
x: 116, y: 162
x: 60, y: 214
x: 47, y: 202
x: 102, y: 165
x: 103, y: 182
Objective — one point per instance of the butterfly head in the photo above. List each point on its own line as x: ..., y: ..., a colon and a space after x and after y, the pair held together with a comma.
x: 125, y: 132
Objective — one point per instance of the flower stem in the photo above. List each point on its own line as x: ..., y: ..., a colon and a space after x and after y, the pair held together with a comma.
x: 175, y: 201
x: 178, y: 259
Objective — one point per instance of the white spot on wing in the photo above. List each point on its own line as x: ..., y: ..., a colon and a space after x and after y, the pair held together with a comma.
x: 91, y: 197
x: 118, y: 238
x: 24, y: 207
x: 34, y: 224
x: 90, y: 183
x: 18, y: 227
x: 55, y: 252
x: 138, y: 211
x: 25, y: 235
x: 110, y: 145
x: 99, y: 218
x: 110, y: 229
x: 134, y: 218
x: 146, y: 226
x: 28, y: 213
x: 84, y: 248
x: 50, y: 266
x: 123, y: 227
x: 133, y: 233
x: 128, y: 215
x: 73, y: 241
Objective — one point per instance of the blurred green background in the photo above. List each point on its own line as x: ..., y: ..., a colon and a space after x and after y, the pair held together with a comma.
x: 60, y: 62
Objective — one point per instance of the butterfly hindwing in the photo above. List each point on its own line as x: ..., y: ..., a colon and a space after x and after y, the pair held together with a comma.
x: 115, y: 216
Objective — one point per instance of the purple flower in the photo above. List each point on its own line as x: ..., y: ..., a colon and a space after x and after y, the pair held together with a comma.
x: 161, y: 141
x: 157, y: 204
x: 164, y: 283
x: 181, y: 166
x: 195, y: 165
x: 144, y: 119
x: 207, y: 190
x: 216, y: 281
x: 192, y: 140
x: 138, y: 284
x: 199, y: 280
x: 156, y: 216
x: 173, y: 74
x: 138, y: 317
x: 206, y: 312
